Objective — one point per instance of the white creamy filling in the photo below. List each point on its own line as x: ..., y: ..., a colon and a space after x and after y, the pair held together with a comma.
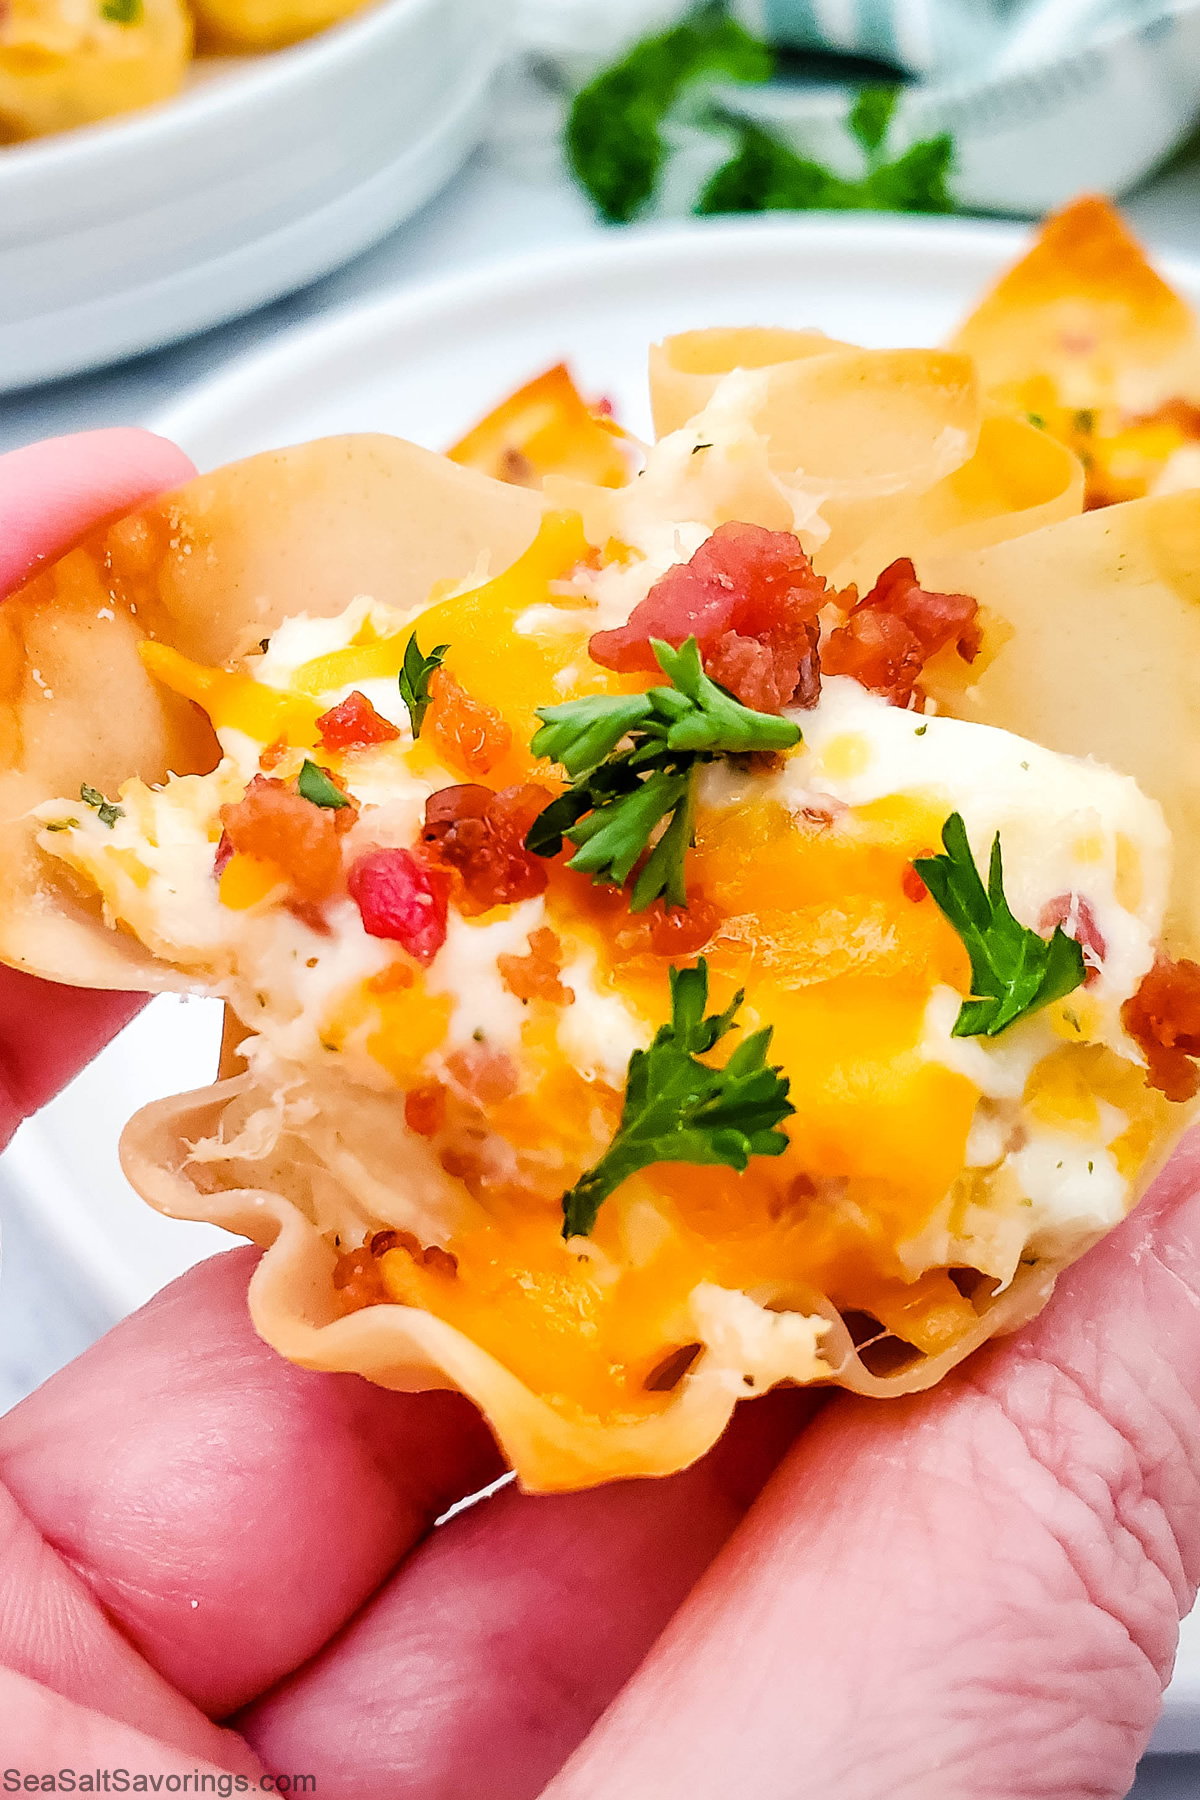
x: 465, y: 968
x: 600, y: 1032
x: 1068, y: 827
x: 301, y: 639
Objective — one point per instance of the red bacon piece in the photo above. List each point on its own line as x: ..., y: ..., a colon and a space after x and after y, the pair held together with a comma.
x: 894, y: 630
x: 400, y: 898
x: 1163, y: 1019
x: 481, y: 834
x: 275, y: 823
x: 750, y: 598
x: 353, y: 724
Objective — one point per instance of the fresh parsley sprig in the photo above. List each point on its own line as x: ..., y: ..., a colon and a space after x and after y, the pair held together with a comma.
x: 614, y: 138
x: 679, y: 1109
x: 107, y: 811
x: 415, y: 676
x: 619, y: 796
x: 617, y: 148
x: 1014, y: 971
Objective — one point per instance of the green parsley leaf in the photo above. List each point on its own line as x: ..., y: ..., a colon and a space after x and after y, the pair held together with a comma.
x: 61, y: 825
x: 414, y: 680
x: 678, y: 1109
x: 766, y: 175
x: 122, y: 12
x: 613, y: 137
x: 915, y: 181
x: 314, y: 784
x: 871, y: 115
x: 108, y: 810
x: 1014, y: 971
x: 619, y: 797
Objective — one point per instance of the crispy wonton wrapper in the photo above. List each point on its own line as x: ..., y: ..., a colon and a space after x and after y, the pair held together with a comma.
x: 1085, y: 309
x: 899, y: 438
x: 212, y: 569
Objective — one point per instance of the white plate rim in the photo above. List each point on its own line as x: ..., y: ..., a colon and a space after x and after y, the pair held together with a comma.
x: 635, y: 252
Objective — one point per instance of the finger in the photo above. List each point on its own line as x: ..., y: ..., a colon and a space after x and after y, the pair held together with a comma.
x: 973, y: 1593
x: 54, y: 1632
x: 47, y: 1034
x: 51, y: 493
x: 43, y: 1733
x: 507, y: 1633
x: 230, y: 1511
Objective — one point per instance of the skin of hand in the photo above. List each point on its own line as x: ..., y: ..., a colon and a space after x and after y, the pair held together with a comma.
x: 213, y: 1561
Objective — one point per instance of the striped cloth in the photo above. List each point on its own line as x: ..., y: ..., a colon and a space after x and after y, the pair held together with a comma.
x: 1043, y: 98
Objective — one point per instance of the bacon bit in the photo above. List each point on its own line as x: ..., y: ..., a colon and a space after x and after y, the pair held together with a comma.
x: 432, y: 1255
x: 224, y: 856
x: 892, y: 632
x: 486, y: 1076
x: 276, y: 825
x: 442, y: 1262
x: 380, y: 1242
x: 274, y: 754
x: 358, y: 1278
x: 400, y: 898
x: 392, y: 980
x: 878, y: 651
x: 682, y: 930
x: 310, y: 915
x: 354, y: 724
x: 536, y: 976
x: 425, y: 1109
x: 1163, y: 1019
x: 1077, y: 919
x: 913, y: 887
x: 481, y: 834
x: 467, y: 733
x: 750, y: 598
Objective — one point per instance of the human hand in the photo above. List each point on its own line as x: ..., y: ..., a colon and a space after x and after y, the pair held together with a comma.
x: 971, y: 1593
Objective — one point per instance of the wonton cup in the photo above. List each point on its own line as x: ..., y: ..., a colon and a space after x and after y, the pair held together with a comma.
x: 1083, y: 337
x: 214, y: 568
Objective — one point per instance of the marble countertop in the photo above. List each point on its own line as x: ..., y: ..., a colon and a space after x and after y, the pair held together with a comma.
x: 488, y: 212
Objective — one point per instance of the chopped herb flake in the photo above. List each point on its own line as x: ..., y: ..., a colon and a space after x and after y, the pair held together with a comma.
x: 107, y: 811
x: 1014, y: 971
x: 415, y: 676
x: 61, y: 825
x: 122, y: 12
x: 314, y: 784
x: 678, y: 1109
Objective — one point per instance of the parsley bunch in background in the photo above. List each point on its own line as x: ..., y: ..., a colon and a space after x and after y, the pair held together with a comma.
x: 616, y: 148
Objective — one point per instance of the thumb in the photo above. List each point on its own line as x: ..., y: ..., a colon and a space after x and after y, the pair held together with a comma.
x: 966, y: 1594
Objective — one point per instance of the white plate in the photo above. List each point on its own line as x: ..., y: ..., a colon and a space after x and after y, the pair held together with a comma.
x: 124, y: 235
x: 426, y: 364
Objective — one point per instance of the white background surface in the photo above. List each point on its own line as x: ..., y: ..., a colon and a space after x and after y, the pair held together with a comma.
x: 485, y: 215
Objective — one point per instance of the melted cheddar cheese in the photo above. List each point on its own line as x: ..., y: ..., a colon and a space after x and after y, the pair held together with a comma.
x: 912, y: 1154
